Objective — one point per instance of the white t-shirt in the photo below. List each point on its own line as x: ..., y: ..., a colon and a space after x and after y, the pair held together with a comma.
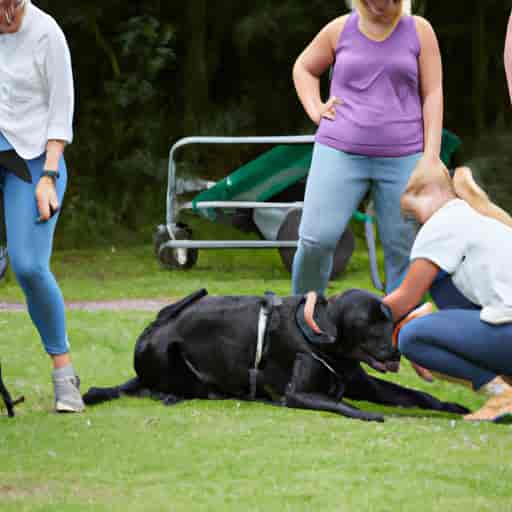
x: 36, y: 85
x: 476, y: 251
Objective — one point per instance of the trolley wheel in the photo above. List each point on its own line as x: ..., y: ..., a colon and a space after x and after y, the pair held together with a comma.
x: 174, y: 258
x: 289, y: 230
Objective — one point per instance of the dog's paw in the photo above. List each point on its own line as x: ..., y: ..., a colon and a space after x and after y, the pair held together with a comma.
x: 373, y: 417
x: 455, y: 408
x: 98, y: 395
x: 171, y: 400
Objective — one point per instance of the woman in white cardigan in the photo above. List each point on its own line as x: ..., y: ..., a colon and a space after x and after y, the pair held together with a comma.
x: 36, y: 114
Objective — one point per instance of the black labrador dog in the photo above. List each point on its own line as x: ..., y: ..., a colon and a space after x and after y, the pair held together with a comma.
x: 6, y: 396
x: 254, y: 348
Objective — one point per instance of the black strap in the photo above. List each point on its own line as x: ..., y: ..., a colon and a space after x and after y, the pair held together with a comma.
x: 405, y: 314
x: 253, y: 383
x: 270, y: 302
x: 13, y: 163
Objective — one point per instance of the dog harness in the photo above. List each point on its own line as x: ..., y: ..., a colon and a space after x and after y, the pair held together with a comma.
x: 270, y: 302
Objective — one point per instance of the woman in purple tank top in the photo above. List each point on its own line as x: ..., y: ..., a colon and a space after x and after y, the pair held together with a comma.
x: 382, y: 120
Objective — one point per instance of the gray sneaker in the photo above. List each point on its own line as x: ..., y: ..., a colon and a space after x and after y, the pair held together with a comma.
x: 67, y: 394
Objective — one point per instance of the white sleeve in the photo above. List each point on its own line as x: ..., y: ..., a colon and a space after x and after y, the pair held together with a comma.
x: 441, y: 241
x: 59, y: 79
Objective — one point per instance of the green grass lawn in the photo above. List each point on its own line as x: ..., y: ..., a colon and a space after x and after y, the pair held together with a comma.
x: 138, y: 455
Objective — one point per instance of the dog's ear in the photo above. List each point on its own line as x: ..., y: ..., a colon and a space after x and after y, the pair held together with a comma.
x: 376, y: 310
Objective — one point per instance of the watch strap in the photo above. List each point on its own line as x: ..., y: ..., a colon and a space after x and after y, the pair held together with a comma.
x: 51, y: 174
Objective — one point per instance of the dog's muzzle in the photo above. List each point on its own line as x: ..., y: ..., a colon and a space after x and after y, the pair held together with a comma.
x: 381, y: 366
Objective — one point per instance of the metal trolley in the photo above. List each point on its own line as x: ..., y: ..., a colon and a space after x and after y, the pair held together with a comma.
x: 175, y: 248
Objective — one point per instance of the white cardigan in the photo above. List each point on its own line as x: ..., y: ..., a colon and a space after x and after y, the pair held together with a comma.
x: 36, y: 85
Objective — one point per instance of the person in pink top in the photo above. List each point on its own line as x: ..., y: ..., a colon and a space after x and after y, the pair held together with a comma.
x: 383, y: 119
x: 508, y: 55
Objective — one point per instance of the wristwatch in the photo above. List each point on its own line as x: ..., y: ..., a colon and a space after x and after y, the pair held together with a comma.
x: 51, y: 174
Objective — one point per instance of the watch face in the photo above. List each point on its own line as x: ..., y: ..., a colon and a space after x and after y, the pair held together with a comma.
x: 51, y: 174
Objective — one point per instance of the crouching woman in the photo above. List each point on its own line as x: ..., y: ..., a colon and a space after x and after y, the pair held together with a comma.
x: 36, y: 111
x: 461, y: 255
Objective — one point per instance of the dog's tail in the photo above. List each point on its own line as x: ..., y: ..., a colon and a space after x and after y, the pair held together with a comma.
x: 132, y: 387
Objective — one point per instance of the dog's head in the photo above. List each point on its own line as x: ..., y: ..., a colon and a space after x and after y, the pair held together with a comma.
x: 364, y: 328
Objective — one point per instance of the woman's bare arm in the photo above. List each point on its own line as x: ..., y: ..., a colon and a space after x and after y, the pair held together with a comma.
x: 417, y: 282
x: 54, y: 150
x: 311, y: 64
x: 431, y: 85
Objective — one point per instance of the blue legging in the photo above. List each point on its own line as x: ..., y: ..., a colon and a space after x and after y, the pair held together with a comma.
x: 455, y: 342
x: 30, y: 245
x: 337, y: 183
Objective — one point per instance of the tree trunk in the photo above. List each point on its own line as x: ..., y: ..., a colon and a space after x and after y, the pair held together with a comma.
x: 480, y: 61
x: 195, y: 77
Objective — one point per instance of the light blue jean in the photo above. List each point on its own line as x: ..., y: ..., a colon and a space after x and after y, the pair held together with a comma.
x: 337, y: 183
x: 455, y: 342
x: 30, y: 245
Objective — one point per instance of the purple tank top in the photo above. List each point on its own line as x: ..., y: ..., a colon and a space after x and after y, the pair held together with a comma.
x: 378, y: 82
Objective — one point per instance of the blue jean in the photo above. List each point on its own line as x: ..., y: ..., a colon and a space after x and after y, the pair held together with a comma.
x: 455, y: 342
x: 337, y: 183
x: 30, y: 245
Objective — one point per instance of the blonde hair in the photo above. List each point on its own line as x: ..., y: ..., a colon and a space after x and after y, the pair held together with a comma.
x: 466, y: 188
x: 359, y: 5
x: 462, y: 186
x: 422, y: 178
x: 421, y: 182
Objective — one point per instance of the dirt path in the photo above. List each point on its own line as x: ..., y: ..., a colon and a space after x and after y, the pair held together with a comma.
x: 109, y: 305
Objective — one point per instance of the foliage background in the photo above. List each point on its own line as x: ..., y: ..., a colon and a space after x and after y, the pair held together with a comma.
x: 148, y: 73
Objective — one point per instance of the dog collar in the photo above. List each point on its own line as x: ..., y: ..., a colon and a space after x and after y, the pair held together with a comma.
x: 320, y: 316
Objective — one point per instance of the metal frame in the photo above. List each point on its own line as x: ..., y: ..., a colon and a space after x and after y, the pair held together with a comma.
x: 243, y: 244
